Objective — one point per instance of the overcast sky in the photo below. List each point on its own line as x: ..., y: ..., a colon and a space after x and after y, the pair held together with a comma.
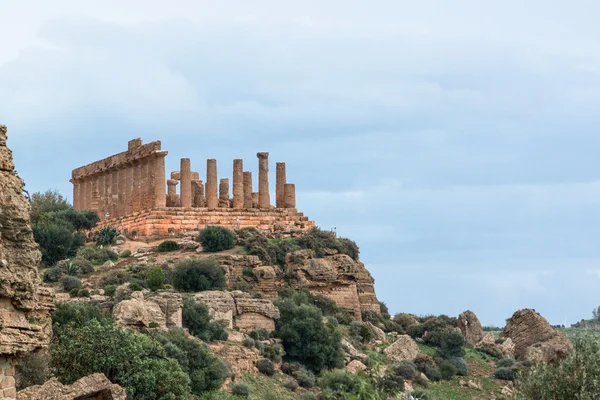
x: 456, y: 141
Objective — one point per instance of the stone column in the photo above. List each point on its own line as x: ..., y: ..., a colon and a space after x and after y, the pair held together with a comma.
x: 122, y: 203
x: 160, y: 195
x: 75, y: 194
x: 255, y: 199
x: 247, y: 189
x: 89, y: 192
x: 238, y: 184
x: 95, y: 192
x: 144, y: 184
x: 101, y: 195
x: 107, y: 193
x: 137, y: 188
x: 198, y: 193
x: 212, y: 200
x: 280, y: 179
x: 114, y: 200
x: 172, y: 187
x: 264, y: 200
x: 290, y: 195
x: 224, y: 193
x: 186, y: 183
x: 129, y: 173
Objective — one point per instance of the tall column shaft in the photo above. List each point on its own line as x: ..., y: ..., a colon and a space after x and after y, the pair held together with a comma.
x: 255, y: 199
x: 238, y: 184
x: 290, y: 195
x: 89, y: 193
x: 247, y: 189
x: 224, y: 193
x: 198, y: 193
x: 95, y: 193
x: 212, y: 200
x: 121, y: 202
x: 280, y: 179
x: 264, y: 200
x: 129, y: 173
x: 114, y: 199
x: 160, y: 194
x: 144, y: 184
x: 101, y: 195
x: 186, y: 183
x: 137, y: 188
x: 172, y: 187
x: 107, y: 193
x: 76, y: 191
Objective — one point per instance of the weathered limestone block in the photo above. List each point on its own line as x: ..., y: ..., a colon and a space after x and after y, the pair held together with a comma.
x: 470, y: 327
x: 95, y: 386
x: 255, y: 200
x: 280, y: 180
x: 198, y: 190
x: 534, y: 339
x: 221, y: 306
x: 264, y: 200
x: 404, y: 348
x: 24, y: 302
x: 171, y: 305
x: 240, y: 358
x: 378, y: 333
x: 355, y: 366
x: 351, y: 352
x: 247, y: 189
x: 145, y: 310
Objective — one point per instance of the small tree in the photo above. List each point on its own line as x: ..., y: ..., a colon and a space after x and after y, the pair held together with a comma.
x: 216, y: 238
x: 194, y: 275
x: 155, y: 278
x: 196, y: 318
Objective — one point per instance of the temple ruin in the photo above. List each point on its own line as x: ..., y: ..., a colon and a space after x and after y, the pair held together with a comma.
x: 130, y: 191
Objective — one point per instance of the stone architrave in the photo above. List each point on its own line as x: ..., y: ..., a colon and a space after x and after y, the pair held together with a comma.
x: 289, y: 195
x: 264, y: 200
x: 247, y: 189
x: 224, y: 193
x: 212, y: 199
x: 238, y: 184
x: 280, y: 179
x: 160, y: 195
x: 186, y: 183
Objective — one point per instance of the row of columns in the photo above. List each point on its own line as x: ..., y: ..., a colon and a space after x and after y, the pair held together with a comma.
x: 129, y: 188
x: 216, y: 194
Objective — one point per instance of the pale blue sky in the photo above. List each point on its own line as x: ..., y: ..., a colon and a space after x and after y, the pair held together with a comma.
x: 455, y: 141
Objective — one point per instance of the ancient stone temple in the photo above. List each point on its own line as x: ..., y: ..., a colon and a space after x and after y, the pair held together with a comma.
x: 130, y: 191
x: 25, y: 323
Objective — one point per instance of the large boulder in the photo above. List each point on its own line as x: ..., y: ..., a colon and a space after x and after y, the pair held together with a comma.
x: 95, y: 386
x: 147, y: 310
x: 534, y: 339
x: 470, y: 327
x: 404, y: 348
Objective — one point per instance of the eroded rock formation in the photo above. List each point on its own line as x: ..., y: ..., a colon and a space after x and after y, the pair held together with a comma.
x: 534, y: 339
x: 470, y: 327
x: 149, y: 310
x: 404, y: 348
x: 24, y: 303
x: 95, y: 386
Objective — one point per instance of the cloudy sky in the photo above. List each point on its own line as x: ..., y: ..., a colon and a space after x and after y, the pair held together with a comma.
x: 455, y: 141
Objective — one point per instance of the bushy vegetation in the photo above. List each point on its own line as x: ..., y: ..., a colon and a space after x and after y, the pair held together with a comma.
x: 196, y: 318
x: 70, y: 282
x: 216, y: 238
x: 265, y: 367
x: 167, y: 246
x: 240, y: 389
x: 320, y: 240
x: 107, y: 236
x: 155, y: 278
x: 32, y: 369
x: 195, y: 275
x: 448, y: 370
x: 56, y: 224
x: 305, y: 338
x: 97, y: 255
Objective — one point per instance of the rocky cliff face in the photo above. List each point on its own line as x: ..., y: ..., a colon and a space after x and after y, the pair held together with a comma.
x: 24, y: 304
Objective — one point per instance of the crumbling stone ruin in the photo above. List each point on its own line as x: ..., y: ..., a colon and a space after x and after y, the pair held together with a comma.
x: 25, y: 324
x: 130, y: 190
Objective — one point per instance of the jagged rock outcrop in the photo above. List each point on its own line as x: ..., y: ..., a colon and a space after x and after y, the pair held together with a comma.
x: 95, y: 386
x: 337, y: 276
x: 470, y: 327
x: 404, y: 348
x: 239, y: 309
x: 378, y: 333
x: 534, y: 339
x: 25, y: 304
x: 239, y: 358
x: 355, y: 366
x: 149, y: 310
x: 504, y: 348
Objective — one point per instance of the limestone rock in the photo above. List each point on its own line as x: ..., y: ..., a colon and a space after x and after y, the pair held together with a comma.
x: 355, y: 366
x: 144, y: 310
x: 24, y: 302
x: 470, y: 327
x: 378, y: 333
x: 351, y: 352
x: 403, y: 349
x: 221, y: 306
x: 533, y: 337
x: 241, y: 359
x: 188, y: 244
x: 95, y: 386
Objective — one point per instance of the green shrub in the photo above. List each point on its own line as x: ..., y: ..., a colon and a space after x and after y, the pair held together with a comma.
x: 360, y: 332
x: 115, y: 278
x: 32, y: 369
x: 461, y: 366
x: 506, y: 363
x: 290, y: 368
x: 448, y: 341
x: 122, y: 356
x: 249, y: 342
x: 240, y: 389
x: 83, y: 293
x: 167, y: 246
x: 107, y: 236
x: 76, y: 314
x: 155, y: 278
x: 290, y: 384
x: 506, y: 374
x: 248, y: 273
x: 206, y: 371
x: 97, y: 254
x: 135, y: 287
x: 305, y: 378
x: 305, y: 337
x: 70, y: 282
x: 197, y: 320
x: 194, y: 275
x: 56, y: 238
x: 405, y: 369
x: 385, y: 312
x: 125, y: 253
x: 265, y: 367
x: 216, y: 238
x: 433, y: 374
x: 53, y: 275
x: 448, y: 370
x: 308, y: 396
x: 320, y: 240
